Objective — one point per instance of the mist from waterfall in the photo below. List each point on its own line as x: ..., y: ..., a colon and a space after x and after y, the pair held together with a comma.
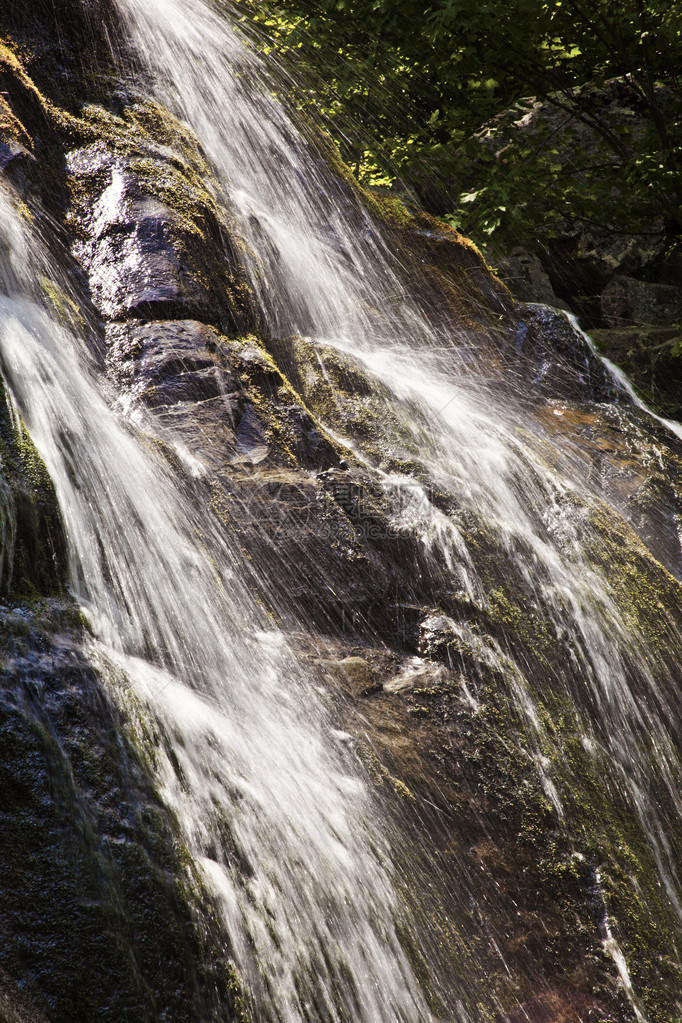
x: 272, y: 804
x: 268, y: 806
x: 320, y: 268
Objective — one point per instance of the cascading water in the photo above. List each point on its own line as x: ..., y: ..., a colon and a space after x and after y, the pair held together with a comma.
x: 270, y: 807
x: 320, y: 268
x: 624, y: 384
x: 267, y: 809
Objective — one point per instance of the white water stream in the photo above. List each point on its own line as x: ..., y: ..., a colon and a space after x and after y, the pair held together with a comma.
x: 267, y: 807
x: 622, y: 382
x: 321, y: 269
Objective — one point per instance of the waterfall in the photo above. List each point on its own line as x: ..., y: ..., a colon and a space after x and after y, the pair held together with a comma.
x: 272, y: 805
x: 320, y: 267
x: 268, y: 808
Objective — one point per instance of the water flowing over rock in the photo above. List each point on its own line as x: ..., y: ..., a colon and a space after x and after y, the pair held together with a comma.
x: 341, y: 607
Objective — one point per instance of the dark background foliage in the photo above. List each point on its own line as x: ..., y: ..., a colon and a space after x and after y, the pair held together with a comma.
x: 414, y: 90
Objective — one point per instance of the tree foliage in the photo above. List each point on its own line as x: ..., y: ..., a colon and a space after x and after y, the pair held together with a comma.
x: 412, y: 89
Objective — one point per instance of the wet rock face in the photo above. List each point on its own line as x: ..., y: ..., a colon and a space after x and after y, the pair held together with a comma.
x: 447, y: 757
x: 33, y: 556
x: 559, y: 359
x: 146, y: 256
x: 169, y: 363
x: 424, y: 680
x: 234, y: 424
x: 560, y: 1007
x: 133, y: 262
x: 98, y: 886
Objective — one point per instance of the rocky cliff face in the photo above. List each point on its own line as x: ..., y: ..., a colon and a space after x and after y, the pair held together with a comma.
x: 532, y: 889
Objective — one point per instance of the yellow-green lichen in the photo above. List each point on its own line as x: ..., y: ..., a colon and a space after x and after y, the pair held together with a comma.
x: 66, y: 309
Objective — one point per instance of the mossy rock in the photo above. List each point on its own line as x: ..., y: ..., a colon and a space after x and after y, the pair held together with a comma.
x: 649, y: 356
x: 97, y: 884
x: 34, y: 559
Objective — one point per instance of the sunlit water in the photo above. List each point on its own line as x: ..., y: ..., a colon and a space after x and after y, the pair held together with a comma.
x: 319, y: 267
x: 268, y: 809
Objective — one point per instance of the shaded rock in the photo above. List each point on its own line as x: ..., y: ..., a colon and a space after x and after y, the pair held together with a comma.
x: 648, y: 355
x: 223, y: 396
x: 561, y: 1007
x: 627, y: 301
x: 15, y: 1007
x: 251, y: 443
x: 11, y: 153
x: 524, y: 275
x: 69, y: 47
x: 305, y: 439
x: 560, y: 361
x: 33, y: 557
x: 182, y: 370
